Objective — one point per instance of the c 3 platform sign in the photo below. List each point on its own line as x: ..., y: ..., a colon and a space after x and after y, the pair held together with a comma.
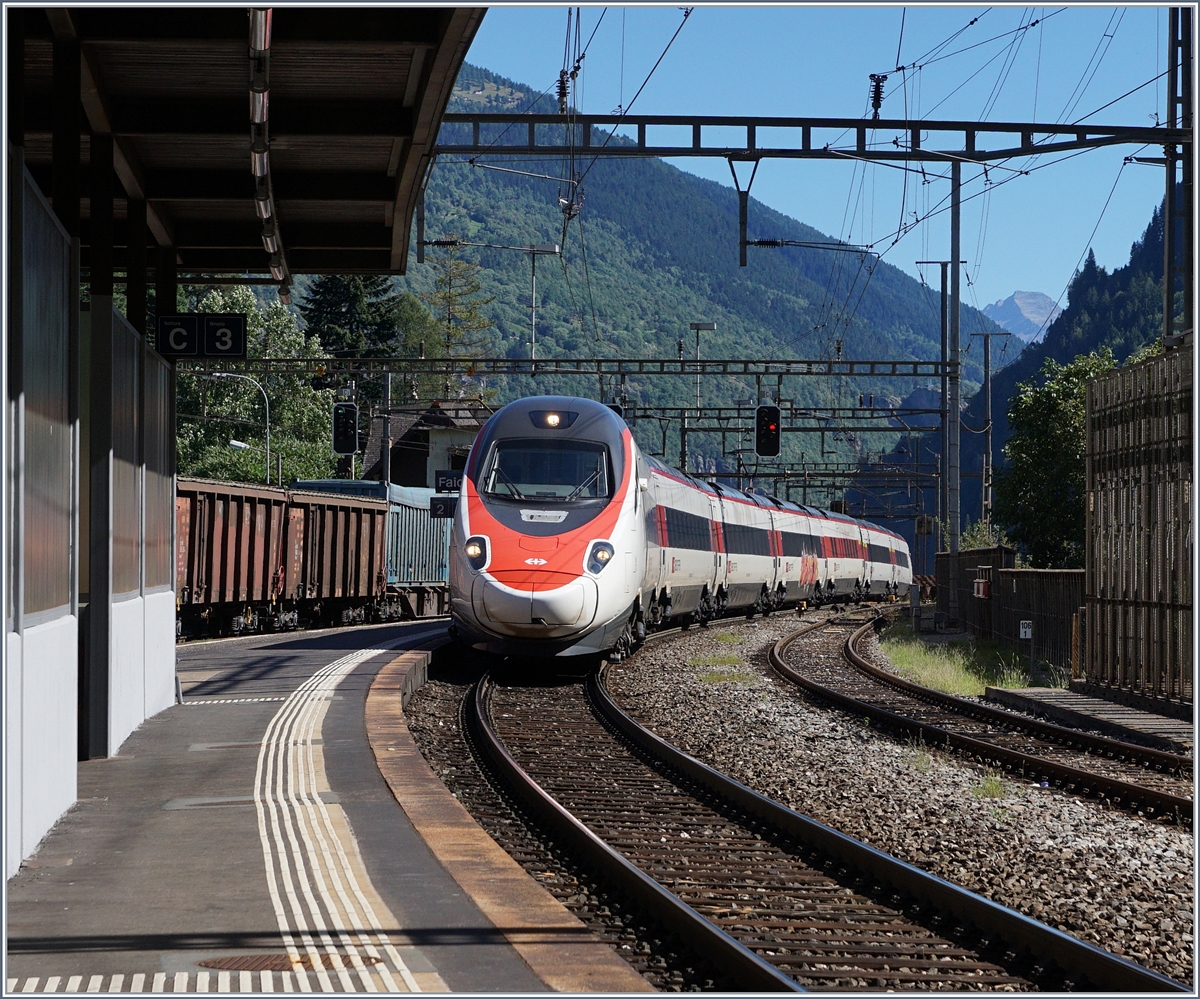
x: 203, y: 335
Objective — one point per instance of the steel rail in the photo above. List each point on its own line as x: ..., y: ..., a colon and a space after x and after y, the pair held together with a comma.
x: 1072, y: 738
x: 1082, y: 960
x: 1078, y: 781
x: 750, y: 970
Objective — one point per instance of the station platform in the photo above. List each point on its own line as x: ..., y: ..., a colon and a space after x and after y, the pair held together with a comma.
x: 1082, y: 710
x: 246, y: 840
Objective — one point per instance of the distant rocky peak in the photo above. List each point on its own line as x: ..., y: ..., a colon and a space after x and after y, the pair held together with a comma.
x: 1027, y: 314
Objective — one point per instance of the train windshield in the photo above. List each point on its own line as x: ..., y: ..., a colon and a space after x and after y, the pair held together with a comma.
x: 550, y: 471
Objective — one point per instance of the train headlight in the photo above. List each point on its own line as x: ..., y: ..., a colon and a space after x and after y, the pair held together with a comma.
x: 476, y: 551
x: 552, y: 419
x: 600, y: 555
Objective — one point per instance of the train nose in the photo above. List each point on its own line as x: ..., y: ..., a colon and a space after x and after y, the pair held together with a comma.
x: 551, y: 607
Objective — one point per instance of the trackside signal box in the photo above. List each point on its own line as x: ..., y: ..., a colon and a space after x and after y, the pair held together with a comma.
x: 345, y: 428
x: 766, y: 431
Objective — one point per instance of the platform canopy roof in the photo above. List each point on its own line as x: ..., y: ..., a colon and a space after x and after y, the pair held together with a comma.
x: 354, y: 95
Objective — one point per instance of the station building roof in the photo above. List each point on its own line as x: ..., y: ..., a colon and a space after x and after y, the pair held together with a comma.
x: 356, y: 95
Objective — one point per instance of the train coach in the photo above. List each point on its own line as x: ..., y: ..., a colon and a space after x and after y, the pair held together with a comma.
x: 335, y: 551
x: 568, y: 540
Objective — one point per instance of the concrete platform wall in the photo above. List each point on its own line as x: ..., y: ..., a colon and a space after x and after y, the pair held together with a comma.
x: 70, y: 695
x: 142, y: 662
x: 41, y: 707
x: 159, y: 643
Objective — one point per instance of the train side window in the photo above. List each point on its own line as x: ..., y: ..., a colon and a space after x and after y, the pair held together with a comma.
x: 743, y: 540
x: 686, y: 530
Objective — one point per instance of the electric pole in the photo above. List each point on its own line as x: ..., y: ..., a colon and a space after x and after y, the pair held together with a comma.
x: 1177, y: 212
x: 385, y: 453
x: 986, y: 491
x: 548, y: 249
x: 952, y: 455
x: 697, y: 327
x: 943, y: 503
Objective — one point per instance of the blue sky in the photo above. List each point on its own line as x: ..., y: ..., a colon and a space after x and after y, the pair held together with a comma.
x: 743, y: 59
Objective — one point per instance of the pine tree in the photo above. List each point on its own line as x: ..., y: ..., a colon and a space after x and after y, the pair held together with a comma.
x: 457, y: 305
x: 360, y: 315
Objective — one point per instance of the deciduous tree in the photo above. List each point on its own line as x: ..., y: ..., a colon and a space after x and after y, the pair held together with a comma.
x: 1040, y: 493
x: 212, y: 412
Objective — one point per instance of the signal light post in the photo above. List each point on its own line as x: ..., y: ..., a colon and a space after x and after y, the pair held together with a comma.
x: 767, y: 431
x: 345, y: 428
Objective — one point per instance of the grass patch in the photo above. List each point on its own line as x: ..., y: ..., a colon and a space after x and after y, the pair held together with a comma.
x: 918, y: 757
x: 992, y: 786
x: 727, y: 676
x: 960, y: 668
x: 729, y: 660
x: 728, y: 638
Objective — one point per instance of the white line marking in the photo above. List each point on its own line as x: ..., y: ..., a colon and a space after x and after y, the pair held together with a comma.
x: 52, y: 983
x: 11, y: 984
x: 138, y: 984
x: 222, y: 981
x: 287, y: 981
x: 74, y: 982
x: 202, y: 981
x: 232, y: 700
x: 181, y: 981
x: 265, y: 984
x: 160, y: 982
x: 246, y: 982
x: 115, y: 983
x: 300, y: 838
x: 30, y: 984
x: 95, y: 983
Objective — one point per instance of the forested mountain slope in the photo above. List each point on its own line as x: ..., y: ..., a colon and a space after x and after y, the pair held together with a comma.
x: 1121, y: 310
x: 658, y: 250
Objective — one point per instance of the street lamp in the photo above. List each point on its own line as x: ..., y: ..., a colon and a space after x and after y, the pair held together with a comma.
x: 243, y: 446
x: 267, y: 408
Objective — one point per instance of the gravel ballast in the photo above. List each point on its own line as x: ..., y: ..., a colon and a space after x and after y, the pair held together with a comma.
x: 1113, y: 879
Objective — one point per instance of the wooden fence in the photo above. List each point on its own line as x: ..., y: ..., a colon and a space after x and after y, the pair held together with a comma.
x: 994, y: 598
x: 1139, y: 528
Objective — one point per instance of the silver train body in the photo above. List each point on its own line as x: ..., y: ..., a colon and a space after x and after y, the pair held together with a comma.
x: 568, y: 540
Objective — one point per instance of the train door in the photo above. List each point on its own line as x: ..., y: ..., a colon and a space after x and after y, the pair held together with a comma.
x: 720, y: 584
x: 864, y: 555
x: 779, y: 581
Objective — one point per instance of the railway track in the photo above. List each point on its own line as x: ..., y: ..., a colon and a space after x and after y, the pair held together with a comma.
x: 776, y: 901
x: 825, y: 660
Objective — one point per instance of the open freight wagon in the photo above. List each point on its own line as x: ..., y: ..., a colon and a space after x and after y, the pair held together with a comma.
x: 323, y: 552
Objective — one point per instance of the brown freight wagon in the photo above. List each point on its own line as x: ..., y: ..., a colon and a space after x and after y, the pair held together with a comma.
x: 255, y: 557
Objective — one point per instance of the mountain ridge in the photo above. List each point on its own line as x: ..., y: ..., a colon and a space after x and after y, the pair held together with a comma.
x: 1025, y: 314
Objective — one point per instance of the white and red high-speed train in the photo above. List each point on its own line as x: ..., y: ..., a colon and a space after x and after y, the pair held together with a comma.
x: 568, y: 540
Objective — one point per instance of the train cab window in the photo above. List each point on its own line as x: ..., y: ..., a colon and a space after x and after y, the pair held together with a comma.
x: 551, y: 471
